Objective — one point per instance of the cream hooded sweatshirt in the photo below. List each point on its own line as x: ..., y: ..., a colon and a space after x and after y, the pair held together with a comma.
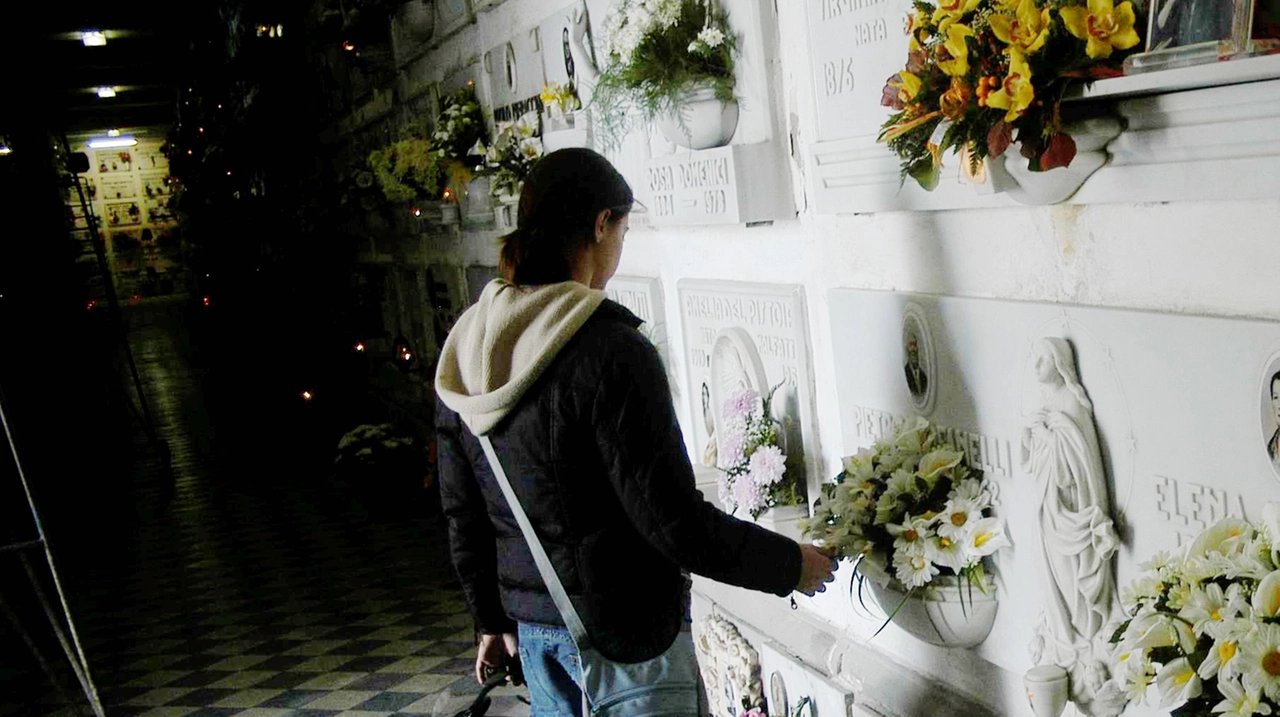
x: 500, y: 346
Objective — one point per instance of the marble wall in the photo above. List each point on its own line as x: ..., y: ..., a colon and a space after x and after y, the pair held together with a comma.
x: 1214, y: 258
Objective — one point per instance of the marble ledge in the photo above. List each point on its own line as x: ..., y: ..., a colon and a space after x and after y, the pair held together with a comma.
x: 1212, y: 143
x: 875, y: 679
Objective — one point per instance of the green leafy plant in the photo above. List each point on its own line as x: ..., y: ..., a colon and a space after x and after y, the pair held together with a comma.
x: 371, y: 444
x: 408, y: 170
x: 657, y: 53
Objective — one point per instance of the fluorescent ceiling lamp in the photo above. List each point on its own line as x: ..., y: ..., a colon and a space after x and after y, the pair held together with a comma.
x: 106, y: 92
x: 5, y: 149
x: 93, y: 38
x: 109, y: 142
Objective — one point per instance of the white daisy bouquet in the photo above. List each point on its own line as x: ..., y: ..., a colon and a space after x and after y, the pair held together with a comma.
x: 754, y: 474
x: 656, y: 53
x: 1205, y: 623
x: 909, y: 509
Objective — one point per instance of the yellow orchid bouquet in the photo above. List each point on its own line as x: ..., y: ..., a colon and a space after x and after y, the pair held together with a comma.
x: 979, y: 69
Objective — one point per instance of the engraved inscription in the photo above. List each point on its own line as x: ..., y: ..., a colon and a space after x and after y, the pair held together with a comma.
x: 704, y: 173
x: 637, y: 302
x: 839, y: 76
x: 513, y: 111
x: 835, y: 8
x: 691, y: 187
x: 1191, y: 507
x: 992, y: 455
x: 770, y: 313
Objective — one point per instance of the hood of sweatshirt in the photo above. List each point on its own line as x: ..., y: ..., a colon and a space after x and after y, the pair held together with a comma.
x: 503, y: 343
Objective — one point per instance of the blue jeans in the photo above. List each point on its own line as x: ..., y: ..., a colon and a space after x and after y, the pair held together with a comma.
x: 550, y: 661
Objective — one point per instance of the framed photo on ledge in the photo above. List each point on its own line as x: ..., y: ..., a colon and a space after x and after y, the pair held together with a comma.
x: 1192, y: 32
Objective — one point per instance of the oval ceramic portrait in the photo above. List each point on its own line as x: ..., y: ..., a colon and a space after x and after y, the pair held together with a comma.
x: 778, y: 705
x: 1269, y: 401
x: 919, y: 364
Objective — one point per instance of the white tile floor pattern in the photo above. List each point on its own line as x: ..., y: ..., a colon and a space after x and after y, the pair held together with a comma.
x: 264, y: 597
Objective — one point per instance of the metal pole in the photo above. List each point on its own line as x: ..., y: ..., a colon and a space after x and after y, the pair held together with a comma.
x: 113, y: 301
x: 78, y: 661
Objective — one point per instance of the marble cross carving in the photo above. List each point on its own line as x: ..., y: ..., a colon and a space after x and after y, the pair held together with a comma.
x: 1077, y: 540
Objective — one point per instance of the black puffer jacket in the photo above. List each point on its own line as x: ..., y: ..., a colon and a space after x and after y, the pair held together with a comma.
x: 596, y: 457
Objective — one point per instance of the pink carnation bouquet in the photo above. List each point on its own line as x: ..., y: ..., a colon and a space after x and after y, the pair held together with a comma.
x: 755, y: 476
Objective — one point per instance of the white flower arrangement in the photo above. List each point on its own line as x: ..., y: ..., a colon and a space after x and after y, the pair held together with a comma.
x: 460, y: 126
x: 910, y: 509
x: 656, y: 54
x: 1205, y: 623
x: 754, y: 474
x: 513, y: 153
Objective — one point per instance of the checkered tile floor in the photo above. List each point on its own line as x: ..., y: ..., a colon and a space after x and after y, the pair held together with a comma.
x: 273, y: 599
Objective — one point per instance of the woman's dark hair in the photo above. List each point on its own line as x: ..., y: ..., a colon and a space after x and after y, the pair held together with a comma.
x: 1272, y: 383
x: 562, y: 196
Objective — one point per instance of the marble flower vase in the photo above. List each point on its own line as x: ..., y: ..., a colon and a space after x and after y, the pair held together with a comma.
x: 702, y: 122
x: 946, y: 613
x: 784, y: 520
x: 1091, y: 136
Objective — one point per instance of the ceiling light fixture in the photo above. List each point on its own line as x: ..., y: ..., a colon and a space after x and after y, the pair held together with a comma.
x: 5, y: 149
x: 93, y: 38
x: 109, y: 142
x: 106, y: 92
x: 113, y: 133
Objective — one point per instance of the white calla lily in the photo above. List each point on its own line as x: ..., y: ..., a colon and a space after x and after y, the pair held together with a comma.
x: 1178, y: 682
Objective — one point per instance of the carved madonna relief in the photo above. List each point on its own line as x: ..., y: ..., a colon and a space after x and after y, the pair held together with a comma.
x: 730, y: 667
x: 1077, y: 538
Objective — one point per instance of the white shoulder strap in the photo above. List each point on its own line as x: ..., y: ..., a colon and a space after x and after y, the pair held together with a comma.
x: 572, y: 621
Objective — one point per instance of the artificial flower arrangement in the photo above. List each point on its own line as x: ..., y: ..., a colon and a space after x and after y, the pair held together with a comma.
x: 658, y: 52
x: 512, y: 155
x: 909, y: 508
x: 979, y: 69
x: 459, y: 128
x: 406, y: 170
x: 754, y: 475
x: 560, y: 101
x: 1205, y: 623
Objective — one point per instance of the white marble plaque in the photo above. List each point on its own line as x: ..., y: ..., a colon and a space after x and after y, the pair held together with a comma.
x: 694, y: 188
x: 452, y: 16
x: 748, y: 335
x: 125, y: 187
x: 855, y: 46
x: 1176, y: 401
x: 737, y: 184
x: 643, y: 297
x: 515, y: 69
x: 555, y: 52
x: 792, y: 688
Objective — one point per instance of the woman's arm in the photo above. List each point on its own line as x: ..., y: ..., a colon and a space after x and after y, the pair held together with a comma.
x: 471, y: 534
x: 644, y: 453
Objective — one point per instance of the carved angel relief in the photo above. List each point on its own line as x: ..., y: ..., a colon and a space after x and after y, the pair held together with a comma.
x: 1078, y: 540
x: 730, y: 668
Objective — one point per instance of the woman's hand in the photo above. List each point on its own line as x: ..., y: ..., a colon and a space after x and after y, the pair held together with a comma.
x: 496, y: 652
x: 817, y: 569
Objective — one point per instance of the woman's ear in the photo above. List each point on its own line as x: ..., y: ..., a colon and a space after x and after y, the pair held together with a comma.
x: 602, y: 224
